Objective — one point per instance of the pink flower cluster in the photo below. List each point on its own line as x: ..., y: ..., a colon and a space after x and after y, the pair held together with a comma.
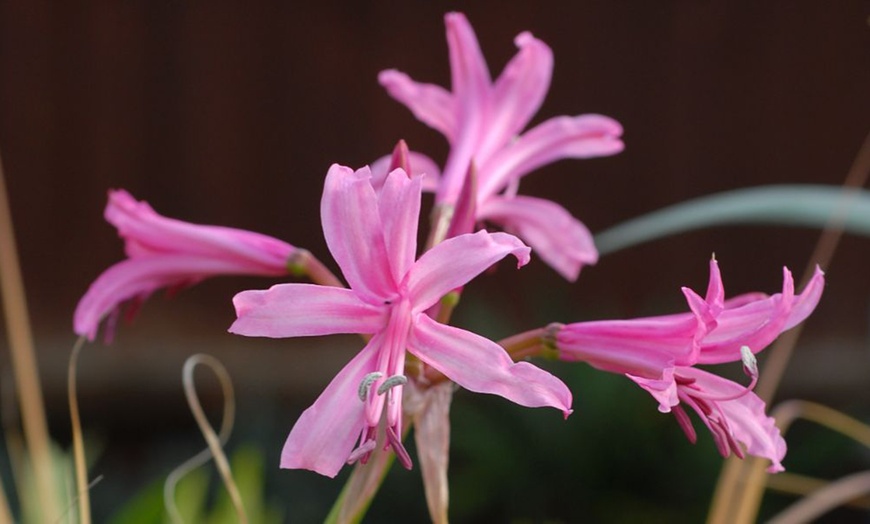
x: 370, y: 219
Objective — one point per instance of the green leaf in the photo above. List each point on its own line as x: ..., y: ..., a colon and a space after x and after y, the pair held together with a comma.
x: 791, y: 205
x: 248, y: 466
x: 148, y: 508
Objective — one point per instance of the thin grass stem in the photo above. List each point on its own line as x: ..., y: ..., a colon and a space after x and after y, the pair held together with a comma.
x: 24, y: 363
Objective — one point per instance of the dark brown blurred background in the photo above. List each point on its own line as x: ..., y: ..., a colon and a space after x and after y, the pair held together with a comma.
x: 230, y: 113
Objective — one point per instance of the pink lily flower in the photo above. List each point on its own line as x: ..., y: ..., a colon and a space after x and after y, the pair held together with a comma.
x: 658, y: 353
x: 482, y: 119
x: 373, y: 238
x: 164, y: 252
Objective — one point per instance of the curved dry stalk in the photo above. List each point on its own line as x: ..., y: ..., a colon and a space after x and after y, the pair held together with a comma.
x: 825, y: 499
x: 81, y: 468
x: 791, y: 410
x: 802, y: 485
x: 215, y: 441
x: 741, y: 482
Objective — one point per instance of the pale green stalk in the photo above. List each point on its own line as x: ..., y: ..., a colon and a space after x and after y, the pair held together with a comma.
x: 81, y: 468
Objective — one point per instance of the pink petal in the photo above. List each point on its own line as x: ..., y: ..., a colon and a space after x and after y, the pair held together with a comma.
x: 583, y: 136
x: 468, y: 69
x: 663, y: 390
x: 456, y: 261
x: 707, y: 317
x: 464, y: 215
x: 430, y: 410
x: 296, y: 310
x: 517, y: 94
x: 148, y: 233
x: 482, y: 366
x: 745, y: 417
x: 558, y: 238
x: 756, y: 324
x: 471, y: 95
x: 746, y: 298
x: 324, y: 436
x: 431, y: 104
x: 399, y: 207
x: 139, y: 277
x: 715, y: 297
x: 806, y: 302
x: 354, y: 233
x: 641, y: 347
x: 421, y: 165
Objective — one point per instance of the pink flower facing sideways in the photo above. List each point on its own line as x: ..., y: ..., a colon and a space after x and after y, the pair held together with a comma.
x: 482, y: 119
x: 659, y: 354
x: 164, y: 252
x: 372, y: 236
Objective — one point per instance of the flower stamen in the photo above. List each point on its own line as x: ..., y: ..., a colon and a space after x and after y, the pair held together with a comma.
x: 366, y: 384
x: 750, y: 367
x: 362, y: 451
x: 391, y: 382
x: 399, y: 449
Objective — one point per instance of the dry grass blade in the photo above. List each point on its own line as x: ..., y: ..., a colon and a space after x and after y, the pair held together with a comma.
x: 24, y: 362
x: 215, y: 441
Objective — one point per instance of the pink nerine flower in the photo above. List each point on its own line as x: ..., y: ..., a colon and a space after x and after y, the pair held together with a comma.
x: 373, y: 237
x: 164, y: 252
x: 482, y: 119
x: 659, y: 353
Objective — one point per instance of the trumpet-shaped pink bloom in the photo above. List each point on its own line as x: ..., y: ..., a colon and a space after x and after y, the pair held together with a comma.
x: 659, y: 353
x: 372, y: 236
x: 164, y: 252
x: 483, y: 119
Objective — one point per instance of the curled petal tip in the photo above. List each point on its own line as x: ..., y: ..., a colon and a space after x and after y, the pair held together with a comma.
x: 775, y: 468
x: 455, y: 17
x: 388, y: 77
x: 526, y: 38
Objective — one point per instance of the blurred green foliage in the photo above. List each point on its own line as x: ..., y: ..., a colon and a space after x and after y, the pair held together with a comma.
x: 195, y: 505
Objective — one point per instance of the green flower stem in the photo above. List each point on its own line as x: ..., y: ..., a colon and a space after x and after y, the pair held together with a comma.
x: 363, y: 484
x: 303, y: 263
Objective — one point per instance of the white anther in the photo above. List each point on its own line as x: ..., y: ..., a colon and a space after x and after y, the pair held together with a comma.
x: 390, y: 383
x: 366, y: 384
x: 750, y: 363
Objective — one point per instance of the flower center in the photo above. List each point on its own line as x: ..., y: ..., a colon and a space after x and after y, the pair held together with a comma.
x: 383, y: 396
